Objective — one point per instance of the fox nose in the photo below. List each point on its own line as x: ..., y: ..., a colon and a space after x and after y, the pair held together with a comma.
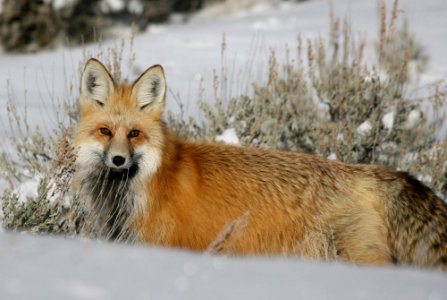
x: 118, y: 160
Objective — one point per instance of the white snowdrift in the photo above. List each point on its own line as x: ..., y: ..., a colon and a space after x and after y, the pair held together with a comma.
x: 34, y: 267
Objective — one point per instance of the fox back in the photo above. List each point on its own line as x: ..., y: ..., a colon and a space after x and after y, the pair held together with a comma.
x: 143, y: 183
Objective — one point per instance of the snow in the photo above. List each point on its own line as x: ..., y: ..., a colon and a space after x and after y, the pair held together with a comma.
x: 332, y: 156
x: 229, y: 136
x: 364, y: 128
x: 414, y: 118
x: 388, y: 120
x: 427, y: 179
x: 239, y: 8
x: 112, y: 5
x: 28, y: 189
x: 54, y: 268
x: 135, y: 7
x: 59, y: 4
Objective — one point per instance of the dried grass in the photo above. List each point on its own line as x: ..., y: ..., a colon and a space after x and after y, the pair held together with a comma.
x: 228, y: 236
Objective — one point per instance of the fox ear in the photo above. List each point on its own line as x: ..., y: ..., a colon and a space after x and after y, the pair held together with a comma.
x: 149, y: 90
x: 96, y: 83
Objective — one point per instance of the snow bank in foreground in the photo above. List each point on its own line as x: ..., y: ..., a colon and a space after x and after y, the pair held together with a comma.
x: 54, y: 268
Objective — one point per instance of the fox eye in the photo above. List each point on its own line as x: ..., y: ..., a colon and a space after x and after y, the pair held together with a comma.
x: 105, y: 131
x: 134, y: 133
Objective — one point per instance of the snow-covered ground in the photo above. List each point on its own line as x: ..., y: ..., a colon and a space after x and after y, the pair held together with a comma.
x: 53, y: 268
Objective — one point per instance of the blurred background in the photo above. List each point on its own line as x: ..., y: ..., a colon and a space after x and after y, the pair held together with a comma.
x: 29, y: 26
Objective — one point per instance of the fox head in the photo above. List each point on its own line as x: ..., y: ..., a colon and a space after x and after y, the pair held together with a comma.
x: 120, y: 130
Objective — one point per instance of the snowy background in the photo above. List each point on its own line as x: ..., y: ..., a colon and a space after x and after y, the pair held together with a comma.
x: 190, y: 52
x: 54, y: 268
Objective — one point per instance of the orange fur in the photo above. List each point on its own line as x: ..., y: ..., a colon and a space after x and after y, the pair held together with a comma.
x: 367, y: 214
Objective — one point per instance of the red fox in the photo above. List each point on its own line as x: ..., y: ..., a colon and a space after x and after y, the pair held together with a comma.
x: 142, y: 182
